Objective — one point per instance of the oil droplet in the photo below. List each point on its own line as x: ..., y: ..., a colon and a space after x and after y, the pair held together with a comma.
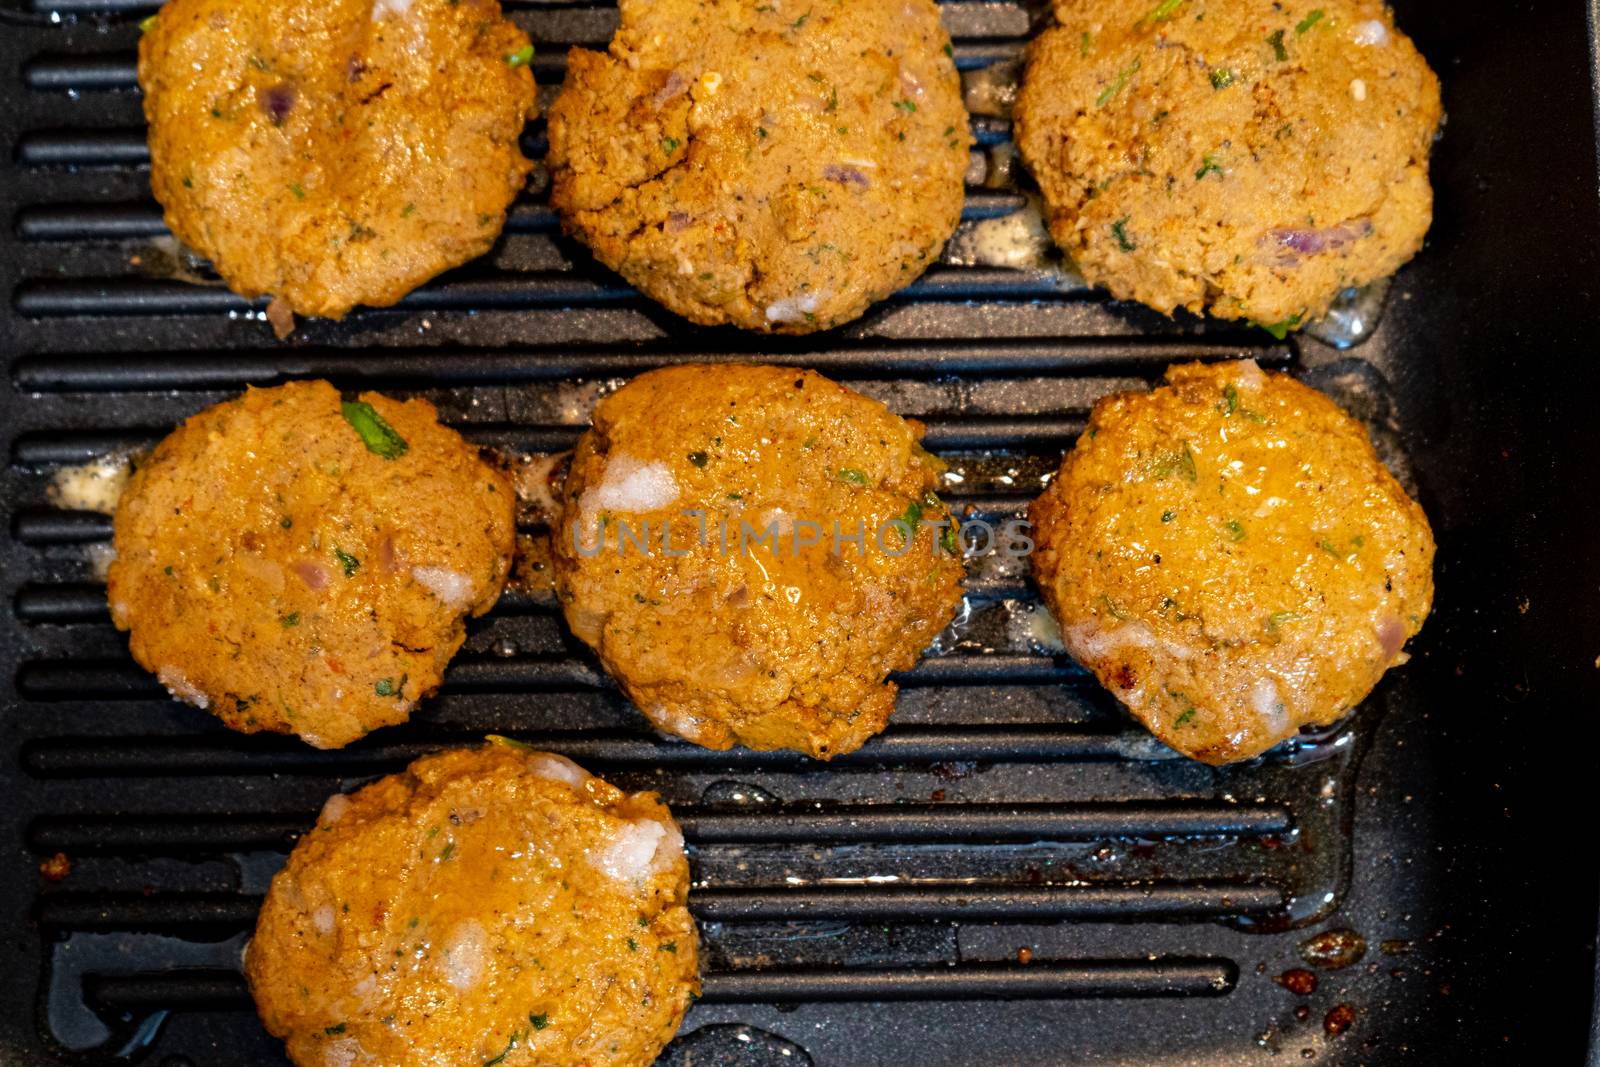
x: 728, y: 793
x: 1353, y: 316
x: 1332, y: 950
x: 1338, y: 1020
x: 732, y: 1045
x: 992, y: 90
x: 143, y: 1036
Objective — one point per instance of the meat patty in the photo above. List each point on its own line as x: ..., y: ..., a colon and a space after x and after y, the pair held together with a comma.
x: 724, y: 547
x: 487, y: 906
x: 301, y: 564
x: 775, y: 167
x: 1231, y: 559
x: 1242, y: 157
x: 336, y: 153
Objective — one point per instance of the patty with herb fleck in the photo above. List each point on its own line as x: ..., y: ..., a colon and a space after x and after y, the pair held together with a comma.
x: 772, y: 166
x: 297, y: 563
x: 751, y: 551
x: 336, y: 153
x: 1231, y: 559
x: 1245, y: 158
x: 494, y: 905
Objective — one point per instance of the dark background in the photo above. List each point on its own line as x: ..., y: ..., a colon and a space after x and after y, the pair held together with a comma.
x: 1458, y: 826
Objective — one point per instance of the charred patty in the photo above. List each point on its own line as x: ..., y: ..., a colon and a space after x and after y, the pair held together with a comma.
x: 1241, y: 157
x: 751, y: 551
x: 298, y: 563
x: 336, y: 153
x: 1230, y: 557
x: 487, y: 906
x: 779, y: 168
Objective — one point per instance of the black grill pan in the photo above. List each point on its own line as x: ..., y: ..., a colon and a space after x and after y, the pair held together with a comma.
x: 876, y: 910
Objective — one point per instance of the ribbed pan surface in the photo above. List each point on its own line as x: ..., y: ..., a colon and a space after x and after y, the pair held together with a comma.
x: 1013, y: 873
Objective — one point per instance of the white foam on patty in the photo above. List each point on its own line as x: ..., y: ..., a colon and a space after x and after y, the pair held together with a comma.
x: 452, y: 587
x: 465, y: 954
x: 179, y: 686
x: 638, y: 848
x: 631, y: 486
x: 1371, y: 32
x: 558, y: 769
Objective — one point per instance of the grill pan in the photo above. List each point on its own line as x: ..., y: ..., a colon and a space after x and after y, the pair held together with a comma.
x: 1013, y: 873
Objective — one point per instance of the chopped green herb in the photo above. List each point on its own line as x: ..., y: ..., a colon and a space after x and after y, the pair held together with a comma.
x: 1208, y: 165
x: 335, y: 1029
x: 1117, y: 84
x: 1281, y: 328
x: 1235, y: 530
x: 1113, y: 609
x: 1221, y: 78
x: 291, y: 619
x: 851, y: 475
x: 912, y: 518
x: 1278, y: 618
x: 949, y: 52
x: 379, y: 437
x: 1083, y: 44
x: 670, y: 145
x: 1164, y: 11
x: 385, y: 688
x: 347, y: 561
x: 146, y: 25
x: 286, y: 522
x: 1167, y: 516
x: 1230, y: 399
x: 1279, y: 52
x: 1309, y: 21
x: 633, y: 946
x: 1119, y: 230
x: 949, y: 540
x: 516, y: 1039
x: 1180, y: 463
x: 801, y: 21
x: 670, y: 946
x: 908, y: 106
x: 699, y: 459
x: 761, y: 131
x: 521, y: 57
x: 405, y: 212
x: 168, y: 570
x: 446, y: 852
x: 1329, y: 547
x: 1183, y: 720
x: 539, y: 1021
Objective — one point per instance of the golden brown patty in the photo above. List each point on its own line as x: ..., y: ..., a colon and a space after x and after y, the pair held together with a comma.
x: 772, y: 166
x: 1230, y: 557
x: 769, y: 643
x: 1241, y: 157
x: 486, y: 903
x: 335, y: 153
x: 301, y: 565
